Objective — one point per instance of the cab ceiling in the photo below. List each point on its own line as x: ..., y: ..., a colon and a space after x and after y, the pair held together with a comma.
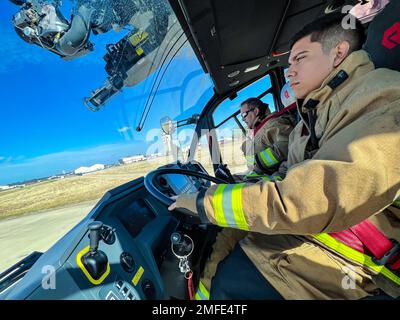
x: 231, y: 37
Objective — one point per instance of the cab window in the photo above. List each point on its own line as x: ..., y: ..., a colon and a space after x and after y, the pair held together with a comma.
x: 231, y: 131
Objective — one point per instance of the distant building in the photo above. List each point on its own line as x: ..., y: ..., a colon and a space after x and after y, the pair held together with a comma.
x: 16, y: 186
x: 132, y: 159
x: 83, y: 170
x: 154, y: 155
x: 56, y: 177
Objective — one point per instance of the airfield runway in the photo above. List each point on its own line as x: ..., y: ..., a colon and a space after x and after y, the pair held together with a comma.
x: 37, y: 232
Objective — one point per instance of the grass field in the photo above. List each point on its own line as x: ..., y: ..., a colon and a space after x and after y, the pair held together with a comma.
x: 90, y: 187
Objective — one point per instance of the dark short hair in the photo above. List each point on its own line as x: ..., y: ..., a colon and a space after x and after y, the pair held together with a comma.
x: 328, y: 31
x: 257, y: 103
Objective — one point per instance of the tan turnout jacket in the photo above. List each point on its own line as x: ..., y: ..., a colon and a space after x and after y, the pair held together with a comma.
x: 269, y: 147
x: 354, y: 175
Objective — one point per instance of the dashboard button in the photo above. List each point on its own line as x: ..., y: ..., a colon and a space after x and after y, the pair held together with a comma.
x: 127, y: 262
x: 119, y: 284
x: 148, y: 289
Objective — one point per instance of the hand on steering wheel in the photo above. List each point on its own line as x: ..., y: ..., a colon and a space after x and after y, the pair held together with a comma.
x: 172, y: 207
x: 149, y: 181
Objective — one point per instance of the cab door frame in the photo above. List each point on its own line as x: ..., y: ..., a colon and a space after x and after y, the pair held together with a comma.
x: 206, y: 124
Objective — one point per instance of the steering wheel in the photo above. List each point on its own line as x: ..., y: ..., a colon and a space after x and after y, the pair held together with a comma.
x: 156, y: 193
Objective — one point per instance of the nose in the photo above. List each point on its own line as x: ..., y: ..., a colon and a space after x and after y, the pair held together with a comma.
x: 291, y: 72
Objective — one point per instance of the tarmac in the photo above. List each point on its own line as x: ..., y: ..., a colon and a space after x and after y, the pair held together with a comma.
x: 22, y: 235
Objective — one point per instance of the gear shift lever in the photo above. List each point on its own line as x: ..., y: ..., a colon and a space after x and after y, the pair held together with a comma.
x: 95, y: 229
x: 95, y: 261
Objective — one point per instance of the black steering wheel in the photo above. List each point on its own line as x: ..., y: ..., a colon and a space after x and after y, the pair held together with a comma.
x: 156, y: 193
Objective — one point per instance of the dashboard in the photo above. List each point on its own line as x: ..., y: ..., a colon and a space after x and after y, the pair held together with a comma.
x: 136, y: 216
x: 134, y: 238
x: 176, y: 184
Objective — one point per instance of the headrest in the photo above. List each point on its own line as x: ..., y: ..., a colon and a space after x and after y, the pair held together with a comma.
x: 383, y: 40
x: 287, y: 95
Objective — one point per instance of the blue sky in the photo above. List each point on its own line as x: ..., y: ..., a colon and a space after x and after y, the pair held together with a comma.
x: 46, y: 129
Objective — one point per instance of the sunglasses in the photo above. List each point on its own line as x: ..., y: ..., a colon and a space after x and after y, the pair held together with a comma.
x: 246, y: 113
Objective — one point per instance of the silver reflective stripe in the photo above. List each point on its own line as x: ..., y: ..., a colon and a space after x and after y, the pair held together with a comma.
x: 267, y: 158
x: 227, y: 206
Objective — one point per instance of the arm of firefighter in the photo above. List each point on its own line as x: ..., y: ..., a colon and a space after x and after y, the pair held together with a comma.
x: 353, y: 176
x: 276, y: 139
x: 247, y: 148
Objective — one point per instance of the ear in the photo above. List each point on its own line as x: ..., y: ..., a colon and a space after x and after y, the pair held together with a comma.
x: 341, y: 52
x: 256, y: 111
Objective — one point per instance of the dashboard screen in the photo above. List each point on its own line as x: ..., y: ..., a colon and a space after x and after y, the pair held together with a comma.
x: 136, y: 216
x: 180, y: 183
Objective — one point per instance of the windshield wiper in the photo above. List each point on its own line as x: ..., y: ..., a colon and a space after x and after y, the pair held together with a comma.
x: 151, y: 96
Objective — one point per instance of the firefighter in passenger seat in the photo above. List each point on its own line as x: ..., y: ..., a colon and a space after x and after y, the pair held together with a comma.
x: 270, y: 140
x: 266, y: 147
x: 330, y: 229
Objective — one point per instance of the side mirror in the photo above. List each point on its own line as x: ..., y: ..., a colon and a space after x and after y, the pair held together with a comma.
x: 167, y: 125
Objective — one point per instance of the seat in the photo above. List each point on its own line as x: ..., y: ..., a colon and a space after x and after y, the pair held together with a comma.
x: 289, y: 102
x: 287, y: 96
x: 383, y: 39
x: 383, y: 46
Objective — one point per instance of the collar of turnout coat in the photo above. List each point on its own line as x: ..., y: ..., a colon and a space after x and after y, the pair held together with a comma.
x: 357, y: 62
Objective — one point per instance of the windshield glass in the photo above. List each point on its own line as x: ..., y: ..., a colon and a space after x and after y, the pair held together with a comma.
x: 57, y: 158
x: 183, y: 92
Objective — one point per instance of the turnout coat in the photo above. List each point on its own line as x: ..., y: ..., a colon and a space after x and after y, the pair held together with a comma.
x: 352, y: 176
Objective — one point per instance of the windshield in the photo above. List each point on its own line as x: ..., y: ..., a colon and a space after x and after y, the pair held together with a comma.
x: 57, y: 158
x: 183, y: 92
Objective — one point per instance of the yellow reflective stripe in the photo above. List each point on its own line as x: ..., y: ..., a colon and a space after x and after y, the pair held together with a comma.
x: 264, y: 159
x: 263, y: 177
x: 268, y: 158
x: 252, y: 175
x: 356, y: 256
x: 228, y: 207
x: 250, y: 160
x: 218, y: 206
x: 266, y: 178
x: 396, y: 203
x: 237, y: 207
x: 202, y: 293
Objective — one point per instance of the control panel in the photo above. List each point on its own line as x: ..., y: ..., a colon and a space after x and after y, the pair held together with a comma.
x: 175, y: 184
